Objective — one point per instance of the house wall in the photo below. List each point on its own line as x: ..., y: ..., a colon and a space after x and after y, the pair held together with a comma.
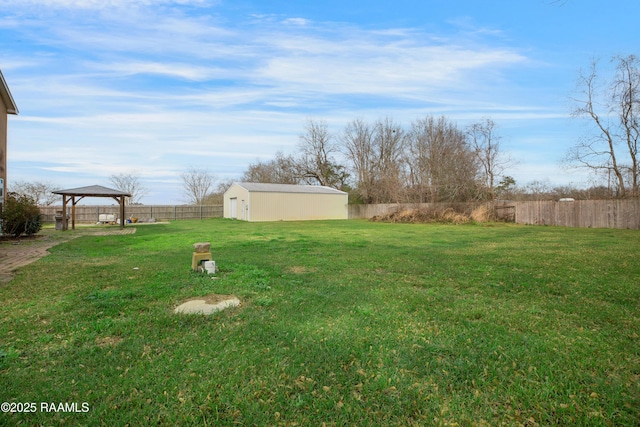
x: 3, y: 146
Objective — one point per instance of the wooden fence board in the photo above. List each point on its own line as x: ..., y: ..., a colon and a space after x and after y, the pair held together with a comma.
x: 580, y: 213
x: 89, y: 214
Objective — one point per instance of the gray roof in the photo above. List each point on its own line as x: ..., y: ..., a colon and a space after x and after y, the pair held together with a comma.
x: 287, y: 188
x: 92, y: 190
x: 6, y: 97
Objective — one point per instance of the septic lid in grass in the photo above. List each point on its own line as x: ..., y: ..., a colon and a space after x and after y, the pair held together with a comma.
x: 207, y: 304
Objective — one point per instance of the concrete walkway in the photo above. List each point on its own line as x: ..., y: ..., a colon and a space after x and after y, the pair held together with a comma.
x: 18, y: 253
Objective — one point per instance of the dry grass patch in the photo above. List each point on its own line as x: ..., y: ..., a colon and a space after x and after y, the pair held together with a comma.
x: 481, y: 214
x: 108, y: 341
x: 301, y: 269
x: 449, y: 215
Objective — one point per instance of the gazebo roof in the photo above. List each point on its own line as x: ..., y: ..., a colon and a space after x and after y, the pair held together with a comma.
x: 92, y: 191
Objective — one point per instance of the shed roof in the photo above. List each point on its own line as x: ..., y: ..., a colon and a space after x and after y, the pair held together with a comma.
x: 6, y: 97
x: 92, y: 190
x: 288, y: 188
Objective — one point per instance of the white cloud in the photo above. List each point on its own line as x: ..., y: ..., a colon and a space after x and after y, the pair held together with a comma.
x: 160, y: 91
x: 384, y: 70
x: 178, y: 70
x: 106, y: 4
x: 297, y: 21
x: 326, y: 59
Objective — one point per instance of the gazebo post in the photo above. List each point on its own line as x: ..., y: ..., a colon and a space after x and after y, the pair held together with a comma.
x: 121, y: 211
x: 65, y: 222
x: 73, y: 212
x: 120, y: 200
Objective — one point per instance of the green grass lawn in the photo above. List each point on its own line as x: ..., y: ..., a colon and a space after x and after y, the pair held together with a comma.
x: 341, y: 323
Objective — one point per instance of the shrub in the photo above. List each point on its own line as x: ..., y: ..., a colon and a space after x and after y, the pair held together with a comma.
x: 454, y: 214
x: 20, y: 215
x: 481, y: 214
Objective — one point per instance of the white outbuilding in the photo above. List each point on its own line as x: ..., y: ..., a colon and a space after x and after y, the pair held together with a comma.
x: 255, y: 202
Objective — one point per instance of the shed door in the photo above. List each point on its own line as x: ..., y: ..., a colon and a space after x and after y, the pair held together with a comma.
x: 234, y: 207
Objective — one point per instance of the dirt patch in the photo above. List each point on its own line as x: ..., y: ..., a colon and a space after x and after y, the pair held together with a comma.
x: 215, y: 298
x: 207, y: 304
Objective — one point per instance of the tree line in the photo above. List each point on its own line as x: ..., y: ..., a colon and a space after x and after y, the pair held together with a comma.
x: 434, y: 160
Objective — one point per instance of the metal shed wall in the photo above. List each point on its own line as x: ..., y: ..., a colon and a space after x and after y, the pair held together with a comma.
x: 255, y: 205
x: 297, y: 206
x: 237, y: 210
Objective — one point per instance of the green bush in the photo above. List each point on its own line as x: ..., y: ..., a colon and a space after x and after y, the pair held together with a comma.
x: 20, y: 215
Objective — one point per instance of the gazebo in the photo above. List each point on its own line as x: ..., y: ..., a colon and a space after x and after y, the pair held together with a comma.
x: 74, y: 195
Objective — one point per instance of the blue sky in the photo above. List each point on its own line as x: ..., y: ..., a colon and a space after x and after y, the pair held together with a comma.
x: 155, y: 87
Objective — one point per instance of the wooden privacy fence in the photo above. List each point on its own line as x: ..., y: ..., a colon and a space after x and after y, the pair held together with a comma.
x: 580, y: 213
x: 91, y: 214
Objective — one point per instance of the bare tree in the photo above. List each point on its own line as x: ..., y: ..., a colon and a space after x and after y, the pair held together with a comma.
x: 281, y: 170
x: 357, y: 145
x: 376, y: 153
x: 539, y: 190
x: 388, y: 143
x: 129, y: 182
x: 626, y: 98
x: 40, y: 192
x: 442, y: 167
x: 197, y: 184
x: 216, y: 196
x: 486, y: 146
x: 317, y: 163
x: 613, y: 109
